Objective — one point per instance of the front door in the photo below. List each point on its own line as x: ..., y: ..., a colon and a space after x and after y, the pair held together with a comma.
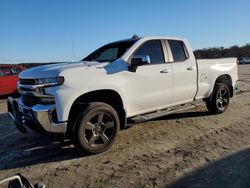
x: 150, y: 87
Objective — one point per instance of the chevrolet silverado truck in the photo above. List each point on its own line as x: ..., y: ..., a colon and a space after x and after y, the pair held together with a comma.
x: 119, y: 84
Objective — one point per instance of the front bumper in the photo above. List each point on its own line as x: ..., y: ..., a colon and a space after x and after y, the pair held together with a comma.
x: 40, y: 116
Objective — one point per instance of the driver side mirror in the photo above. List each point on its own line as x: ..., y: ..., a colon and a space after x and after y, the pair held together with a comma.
x: 139, y: 60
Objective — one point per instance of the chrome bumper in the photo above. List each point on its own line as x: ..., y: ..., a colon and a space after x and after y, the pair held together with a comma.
x: 41, y: 115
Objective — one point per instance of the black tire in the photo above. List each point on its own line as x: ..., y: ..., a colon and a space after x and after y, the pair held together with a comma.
x: 219, y: 99
x: 95, y: 128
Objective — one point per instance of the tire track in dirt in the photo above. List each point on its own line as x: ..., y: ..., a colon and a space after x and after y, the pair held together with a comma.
x: 179, y: 142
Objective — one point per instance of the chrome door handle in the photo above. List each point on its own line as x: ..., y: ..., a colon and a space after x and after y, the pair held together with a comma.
x: 164, y: 71
x: 190, y: 68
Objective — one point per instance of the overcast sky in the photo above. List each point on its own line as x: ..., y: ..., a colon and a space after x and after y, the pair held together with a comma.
x: 50, y: 30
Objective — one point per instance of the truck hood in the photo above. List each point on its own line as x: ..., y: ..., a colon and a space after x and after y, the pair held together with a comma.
x: 52, y: 70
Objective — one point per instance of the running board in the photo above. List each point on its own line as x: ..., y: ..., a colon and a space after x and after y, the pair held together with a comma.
x: 160, y: 113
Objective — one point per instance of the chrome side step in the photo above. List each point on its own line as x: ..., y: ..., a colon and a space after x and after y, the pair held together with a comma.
x: 164, y: 112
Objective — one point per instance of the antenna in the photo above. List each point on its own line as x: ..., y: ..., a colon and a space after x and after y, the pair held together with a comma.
x: 73, y: 49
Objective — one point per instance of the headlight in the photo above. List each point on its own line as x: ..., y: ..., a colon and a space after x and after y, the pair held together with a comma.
x: 50, y: 81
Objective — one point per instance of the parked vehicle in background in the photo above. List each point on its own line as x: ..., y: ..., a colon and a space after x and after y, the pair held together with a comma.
x: 126, y: 81
x: 9, y: 78
x: 244, y: 60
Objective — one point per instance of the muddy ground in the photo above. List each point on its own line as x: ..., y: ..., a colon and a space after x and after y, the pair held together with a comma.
x: 189, y: 149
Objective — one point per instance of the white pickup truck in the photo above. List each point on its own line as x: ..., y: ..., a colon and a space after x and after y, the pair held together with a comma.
x: 122, y: 82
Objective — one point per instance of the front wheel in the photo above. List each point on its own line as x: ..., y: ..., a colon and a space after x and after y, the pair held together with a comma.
x: 219, y: 99
x: 95, y: 128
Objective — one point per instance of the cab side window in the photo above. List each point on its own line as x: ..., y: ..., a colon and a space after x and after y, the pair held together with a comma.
x: 5, y: 71
x: 153, y: 49
x: 178, y: 50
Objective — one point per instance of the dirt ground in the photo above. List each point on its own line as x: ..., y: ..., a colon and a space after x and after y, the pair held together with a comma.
x: 189, y: 149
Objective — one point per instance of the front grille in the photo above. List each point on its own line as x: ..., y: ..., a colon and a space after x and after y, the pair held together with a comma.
x: 31, y: 96
x: 27, y: 81
x: 29, y: 100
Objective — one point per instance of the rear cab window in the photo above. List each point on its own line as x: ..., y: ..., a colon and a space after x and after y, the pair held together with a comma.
x: 178, y: 49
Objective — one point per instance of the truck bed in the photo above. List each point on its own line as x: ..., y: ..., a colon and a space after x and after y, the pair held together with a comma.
x: 208, y: 69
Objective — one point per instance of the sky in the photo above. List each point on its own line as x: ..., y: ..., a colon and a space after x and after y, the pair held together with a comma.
x: 63, y: 30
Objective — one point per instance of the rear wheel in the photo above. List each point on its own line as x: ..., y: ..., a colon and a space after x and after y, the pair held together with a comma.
x: 219, y: 99
x: 95, y: 128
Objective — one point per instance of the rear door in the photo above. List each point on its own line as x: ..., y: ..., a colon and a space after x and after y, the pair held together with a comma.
x: 184, y: 72
x: 150, y: 87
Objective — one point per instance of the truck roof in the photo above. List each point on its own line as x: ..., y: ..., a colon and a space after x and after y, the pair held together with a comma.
x: 161, y: 37
x: 151, y: 38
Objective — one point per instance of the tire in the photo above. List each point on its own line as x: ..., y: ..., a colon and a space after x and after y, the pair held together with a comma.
x: 219, y: 99
x: 95, y: 128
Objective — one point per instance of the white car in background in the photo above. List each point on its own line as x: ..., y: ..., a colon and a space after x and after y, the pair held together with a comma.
x: 244, y: 60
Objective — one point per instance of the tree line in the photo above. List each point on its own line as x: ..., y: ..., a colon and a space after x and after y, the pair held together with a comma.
x: 220, y: 52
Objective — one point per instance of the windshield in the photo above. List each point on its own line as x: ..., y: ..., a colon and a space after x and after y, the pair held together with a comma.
x: 110, y: 52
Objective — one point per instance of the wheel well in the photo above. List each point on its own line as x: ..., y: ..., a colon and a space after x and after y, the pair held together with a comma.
x: 226, y: 79
x: 110, y: 97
